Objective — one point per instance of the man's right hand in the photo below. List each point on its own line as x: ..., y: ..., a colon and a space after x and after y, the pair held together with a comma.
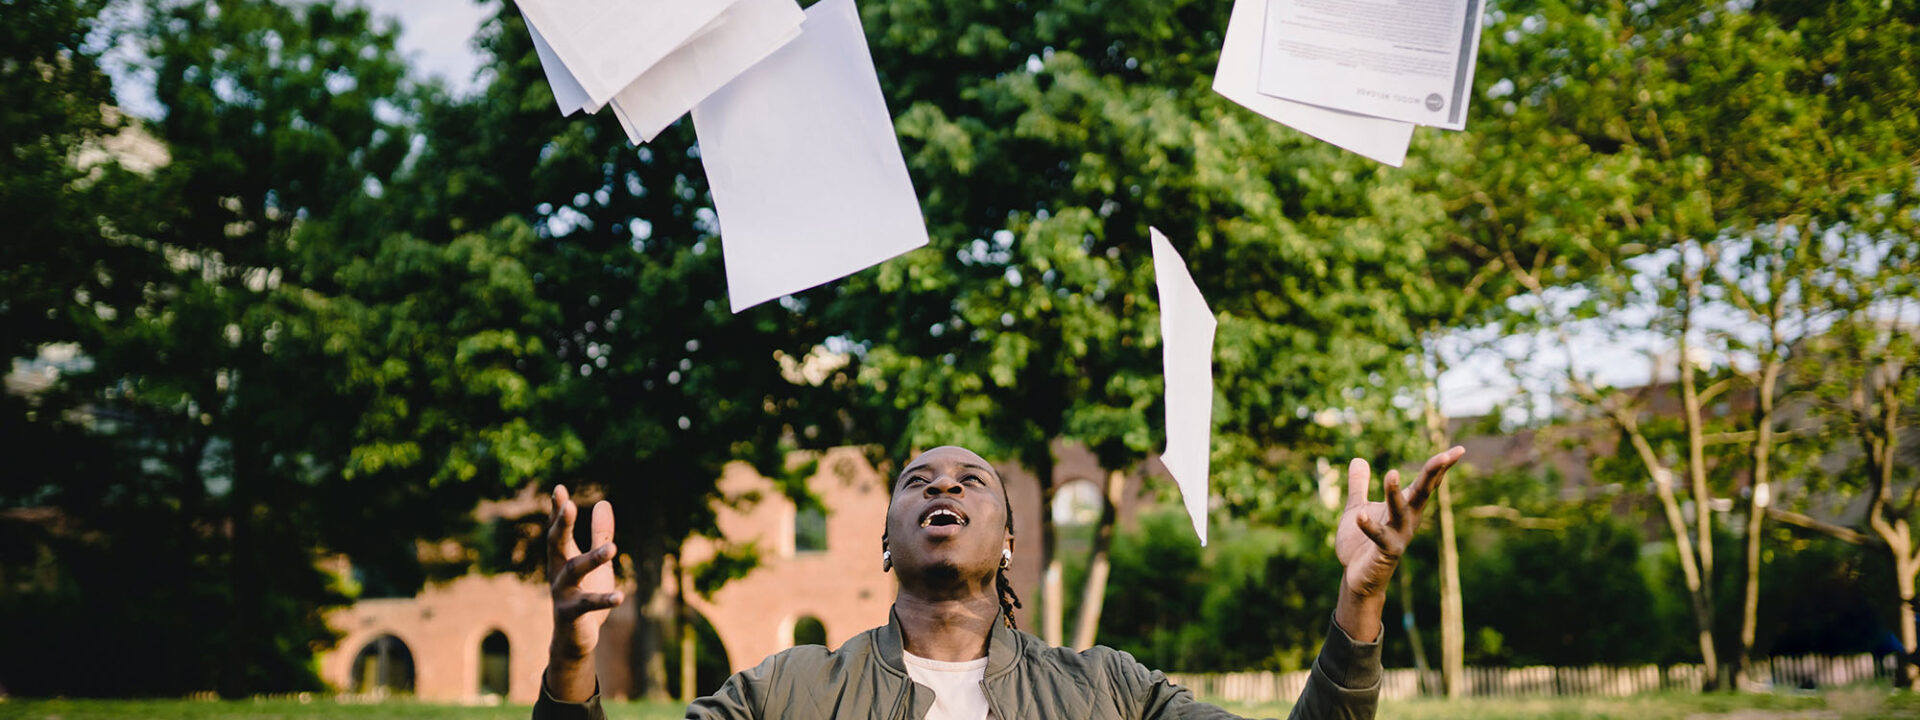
x: 583, y: 592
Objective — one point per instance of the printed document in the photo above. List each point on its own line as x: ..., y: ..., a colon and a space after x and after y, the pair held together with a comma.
x: 1238, y: 79
x: 1409, y: 60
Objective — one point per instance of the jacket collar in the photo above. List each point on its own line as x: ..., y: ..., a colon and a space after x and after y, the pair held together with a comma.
x: 1003, y: 645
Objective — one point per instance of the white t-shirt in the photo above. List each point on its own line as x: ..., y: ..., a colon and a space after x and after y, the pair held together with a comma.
x: 957, y: 694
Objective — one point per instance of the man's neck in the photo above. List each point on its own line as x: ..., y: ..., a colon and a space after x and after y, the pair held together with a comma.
x: 947, y: 629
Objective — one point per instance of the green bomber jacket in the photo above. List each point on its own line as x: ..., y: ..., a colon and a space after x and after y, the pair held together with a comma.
x: 1026, y: 679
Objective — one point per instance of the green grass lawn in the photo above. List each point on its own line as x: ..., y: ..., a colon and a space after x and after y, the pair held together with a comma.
x: 1851, y: 704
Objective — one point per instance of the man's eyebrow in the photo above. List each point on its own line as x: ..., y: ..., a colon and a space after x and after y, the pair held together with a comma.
x: 964, y: 464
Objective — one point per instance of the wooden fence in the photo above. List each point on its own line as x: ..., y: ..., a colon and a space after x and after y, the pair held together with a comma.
x: 1806, y: 672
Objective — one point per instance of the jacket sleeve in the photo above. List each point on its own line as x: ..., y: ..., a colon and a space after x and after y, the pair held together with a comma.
x: 1343, y: 685
x: 739, y: 699
x: 547, y: 708
x: 1152, y: 696
x: 742, y: 697
x: 1345, y: 682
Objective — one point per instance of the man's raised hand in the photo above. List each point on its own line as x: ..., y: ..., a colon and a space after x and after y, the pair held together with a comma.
x: 583, y: 591
x: 1372, y: 536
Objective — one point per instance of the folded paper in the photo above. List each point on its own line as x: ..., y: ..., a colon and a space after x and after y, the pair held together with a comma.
x: 749, y: 32
x: 1186, y: 343
x: 605, y: 46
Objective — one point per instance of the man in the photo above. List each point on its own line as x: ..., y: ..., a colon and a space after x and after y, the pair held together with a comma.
x: 950, y: 651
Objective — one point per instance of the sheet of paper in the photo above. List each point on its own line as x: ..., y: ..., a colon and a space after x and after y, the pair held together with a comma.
x: 1238, y: 79
x: 806, y: 171
x: 566, y: 90
x: 1408, y: 60
x: 1186, y: 343
x: 750, y: 31
x: 608, y: 45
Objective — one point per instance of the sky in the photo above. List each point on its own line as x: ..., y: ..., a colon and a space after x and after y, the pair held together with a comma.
x: 437, y: 36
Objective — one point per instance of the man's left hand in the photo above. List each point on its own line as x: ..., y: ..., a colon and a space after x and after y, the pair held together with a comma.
x: 1372, y: 536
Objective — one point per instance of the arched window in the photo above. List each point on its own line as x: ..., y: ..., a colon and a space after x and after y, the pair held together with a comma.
x: 494, y: 668
x: 808, y: 630
x: 383, y: 666
x: 810, y: 530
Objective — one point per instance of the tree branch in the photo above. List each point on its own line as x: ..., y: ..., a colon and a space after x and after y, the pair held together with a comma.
x: 1837, y: 532
x: 1502, y: 512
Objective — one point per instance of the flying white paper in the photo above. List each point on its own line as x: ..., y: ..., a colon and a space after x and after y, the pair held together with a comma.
x: 566, y: 91
x: 1410, y: 61
x: 1186, y: 341
x: 1238, y: 79
x: 806, y: 172
x: 607, y: 45
x: 751, y: 30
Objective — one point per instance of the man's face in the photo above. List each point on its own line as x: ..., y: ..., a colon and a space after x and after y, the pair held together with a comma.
x: 947, y: 519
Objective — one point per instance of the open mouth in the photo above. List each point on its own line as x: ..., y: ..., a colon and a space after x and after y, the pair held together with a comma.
x: 942, y: 517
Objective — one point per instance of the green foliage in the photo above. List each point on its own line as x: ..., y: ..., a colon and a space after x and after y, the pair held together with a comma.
x: 55, y: 92
x: 1255, y: 599
x: 729, y: 563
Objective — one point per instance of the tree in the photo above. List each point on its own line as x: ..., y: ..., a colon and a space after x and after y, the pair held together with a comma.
x: 654, y: 382
x: 1031, y: 319
x: 265, y: 365
x: 1650, y: 140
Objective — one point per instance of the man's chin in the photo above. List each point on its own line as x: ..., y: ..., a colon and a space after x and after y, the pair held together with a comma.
x: 937, y: 572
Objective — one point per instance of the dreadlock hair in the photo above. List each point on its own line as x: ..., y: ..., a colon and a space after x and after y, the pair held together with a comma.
x: 1008, y: 598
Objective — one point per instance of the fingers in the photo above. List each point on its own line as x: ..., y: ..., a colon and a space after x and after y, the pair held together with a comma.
x: 560, y: 545
x: 602, y: 530
x: 1432, y: 474
x: 583, y: 603
x: 573, y: 569
x: 1379, y: 535
x: 602, y: 601
x: 1357, y: 481
x: 1397, y: 510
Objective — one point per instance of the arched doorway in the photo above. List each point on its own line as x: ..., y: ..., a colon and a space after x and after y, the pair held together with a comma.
x: 383, y: 666
x: 711, y: 668
x: 495, y: 670
x: 807, y: 630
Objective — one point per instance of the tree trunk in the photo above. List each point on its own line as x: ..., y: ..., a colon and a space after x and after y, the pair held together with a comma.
x: 1904, y: 570
x: 688, y: 647
x: 1093, y: 593
x: 1759, y: 497
x: 1453, y: 624
x: 657, y: 620
x: 1053, y: 593
x: 1696, y: 459
x: 1421, y: 669
x: 1683, y: 544
x: 244, y: 575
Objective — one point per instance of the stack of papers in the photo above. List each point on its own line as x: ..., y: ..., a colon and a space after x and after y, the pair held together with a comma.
x: 806, y: 171
x: 652, y: 60
x: 1356, y: 73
